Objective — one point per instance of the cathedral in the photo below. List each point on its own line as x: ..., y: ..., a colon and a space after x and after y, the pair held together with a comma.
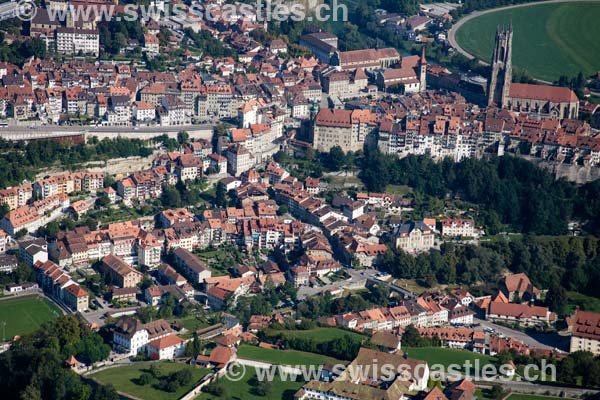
x: 555, y: 101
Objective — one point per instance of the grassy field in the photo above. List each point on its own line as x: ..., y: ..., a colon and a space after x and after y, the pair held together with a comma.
x: 284, y: 357
x: 192, y: 323
x: 25, y: 314
x: 586, y: 303
x: 243, y: 389
x: 398, y: 189
x: 319, y: 335
x: 564, y: 33
x: 124, y: 379
x: 437, y: 355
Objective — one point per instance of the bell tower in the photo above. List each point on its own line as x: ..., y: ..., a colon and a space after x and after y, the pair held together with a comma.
x: 499, y: 83
x: 422, y: 71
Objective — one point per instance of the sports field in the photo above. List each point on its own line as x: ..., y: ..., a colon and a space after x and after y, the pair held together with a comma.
x: 549, y: 39
x: 25, y: 314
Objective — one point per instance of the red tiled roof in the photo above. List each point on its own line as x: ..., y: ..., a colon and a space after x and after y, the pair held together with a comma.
x: 165, y: 342
x: 587, y: 325
x: 543, y: 92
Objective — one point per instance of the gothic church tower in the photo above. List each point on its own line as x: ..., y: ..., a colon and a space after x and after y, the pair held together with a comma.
x: 499, y: 83
x: 422, y: 71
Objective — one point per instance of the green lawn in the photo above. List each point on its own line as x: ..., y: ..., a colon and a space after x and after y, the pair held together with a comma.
x: 243, y: 389
x: 398, y: 189
x: 192, y: 323
x: 584, y: 302
x: 319, y: 335
x: 549, y: 39
x: 124, y: 379
x: 284, y: 357
x: 25, y: 314
x: 444, y: 356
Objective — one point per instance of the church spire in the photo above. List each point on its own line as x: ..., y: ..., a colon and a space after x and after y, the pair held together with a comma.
x: 423, y: 61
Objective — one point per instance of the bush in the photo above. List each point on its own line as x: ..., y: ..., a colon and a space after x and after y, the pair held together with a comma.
x: 145, y: 378
x: 215, y: 389
x: 183, y: 377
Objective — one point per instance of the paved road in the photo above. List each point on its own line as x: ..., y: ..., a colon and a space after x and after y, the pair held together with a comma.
x: 356, y: 277
x: 93, y: 128
x: 9, y: 10
x: 540, y: 341
x: 48, y: 131
x: 475, y: 14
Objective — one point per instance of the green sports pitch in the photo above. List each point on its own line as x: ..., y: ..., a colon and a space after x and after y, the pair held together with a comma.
x: 24, y: 315
x: 549, y: 40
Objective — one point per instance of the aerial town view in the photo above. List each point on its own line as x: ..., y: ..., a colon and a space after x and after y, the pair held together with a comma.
x: 300, y: 200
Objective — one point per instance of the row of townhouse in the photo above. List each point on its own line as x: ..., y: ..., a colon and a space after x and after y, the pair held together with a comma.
x: 302, y: 204
x: 19, y: 196
x: 456, y: 338
x: 423, y: 312
x: 196, y: 159
x: 58, y: 283
x: 68, y: 183
x: 32, y: 217
x: 136, y: 243
x: 461, y: 132
x: 145, y: 184
x: 82, y: 245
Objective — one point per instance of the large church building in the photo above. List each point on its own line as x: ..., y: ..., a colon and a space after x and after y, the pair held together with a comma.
x: 556, y: 101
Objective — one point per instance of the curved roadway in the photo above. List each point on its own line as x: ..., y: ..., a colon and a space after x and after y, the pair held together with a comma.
x: 475, y: 14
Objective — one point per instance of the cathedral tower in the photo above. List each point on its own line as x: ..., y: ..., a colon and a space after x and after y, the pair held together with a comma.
x: 499, y: 83
x: 423, y: 71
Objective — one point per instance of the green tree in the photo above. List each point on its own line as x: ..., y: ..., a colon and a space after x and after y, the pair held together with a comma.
x: 336, y: 158
x: 220, y: 200
x: 182, y: 137
x: 145, y: 378
x: 282, y: 210
x: 556, y: 299
x: 171, y: 197
x: 411, y: 337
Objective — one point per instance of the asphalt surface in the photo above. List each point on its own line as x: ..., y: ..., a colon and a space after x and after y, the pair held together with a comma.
x: 93, y: 128
x: 539, y: 341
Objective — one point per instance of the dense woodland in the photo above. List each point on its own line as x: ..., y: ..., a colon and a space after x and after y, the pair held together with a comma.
x: 572, y: 263
x: 512, y: 193
x: 34, y: 368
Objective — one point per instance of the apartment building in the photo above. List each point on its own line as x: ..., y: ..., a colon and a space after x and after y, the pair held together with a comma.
x: 190, y: 265
x: 77, y: 41
x: 239, y: 160
x: 586, y: 332
x: 119, y: 272
x: 459, y: 227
